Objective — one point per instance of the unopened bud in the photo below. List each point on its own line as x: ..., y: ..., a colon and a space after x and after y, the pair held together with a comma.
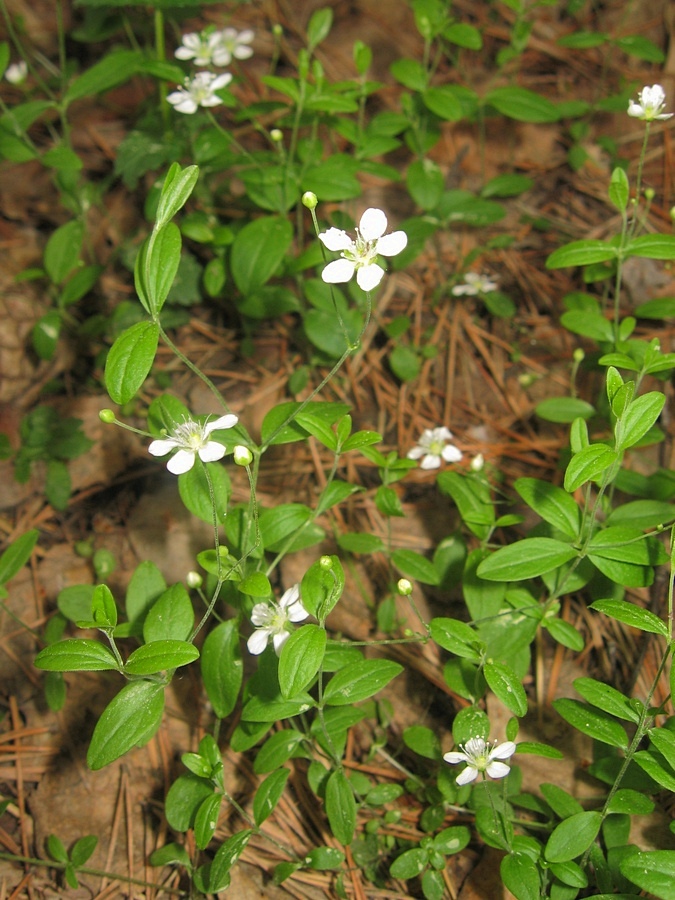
x: 277, y: 30
x: 326, y: 563
x: 193, y: 580
x: 107, y: 416
x: 277, y: 135
x: 477, y: 463
x: 242, y: 455
x: 404, y: 587
x: 309, y: 200
x: 650, y: 193
x: 578, y: 355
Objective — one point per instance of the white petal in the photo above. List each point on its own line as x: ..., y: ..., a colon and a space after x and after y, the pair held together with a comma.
x: 296, y: 612
x: 442, y: 433
x: 184, y: 53
x: 162, y: 447
x: 182, y: 462
x: 280, y: 639
x: 243, y: 52
x: 455, y: 757
x: 416, y: 452
x: 503, y: 751
x: 221, y: 81
x: 393, y: 243
x: 258, y: 641
x: 451, y: 454
x: 289, y: 597
x: 497, y: 770
x: 635, y: 110
x: 228, y: 421
x: 209, y: 101
x: 430, y: 461
x: 245, y: 36
x: 261, y: 614
x: 187, y: 105
x: 373, y: 224
x: 460, y: 290
x: 339, y: 271
x: 335, y: 239
x: 222, y: 56
x: 368, y: 277
x: 467, y: 775
x: 212, y: 452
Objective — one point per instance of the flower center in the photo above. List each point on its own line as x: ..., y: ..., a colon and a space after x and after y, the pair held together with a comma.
x: 362, y: 252
x: 436, y: 447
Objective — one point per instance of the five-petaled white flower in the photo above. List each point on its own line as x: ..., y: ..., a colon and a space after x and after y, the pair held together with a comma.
x: 203, y: 47
x: 433, y: 446
x: 272, y: 621
x: 480, y: 758
x: 359, y: 256
x: 649, y: 105
x: 17, y: 72
x: 233, y: 44
x: 474, y: 284
x: 192, y: 439
x: 199, y: 91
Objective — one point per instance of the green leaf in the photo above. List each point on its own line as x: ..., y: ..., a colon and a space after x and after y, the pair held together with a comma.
x: 324, y: 858
x: 194, y: 487
x: 45, y: 334
x: 146, y: 585
x: 268, y: 795
x: 360, y: 680
x: 444, y: 103
x: 322, y: 587
x: 176, y: 189
x: 456, y: 637
x: 156, y: 266
x: 415, y: 566
x: 640, y: 416
x: 588, y: 324
x: 629, y: 802
x: 222, y: 668
x: 319, y: 27
x: 360, y: 543
x: 632, y: 615
x: 170, y: 855
x: 279, y: 523
x: 606, y: 698
x: 627, y: 545
x: 340, y: 807
x: 652, y: 870
x: 129, y: 361
x: 587, y: 465
x: 520, y: 875
x: 409, y: 864
x: 226, y: 856
x: 472, y: 500
x: 277, y: 749
x: 264, y: 709
x: 76, y: 655
x: 507, y: 185
x: 17, y: 555
x: 258, y: 250
x: 552, y: 503
x: 103, y: 609
x: 564, y: 633
x: 278, y: 426
x: 160, y: 656
x: 526, y: 559
x: 581, y: 253
x: 206, y: 820
x: 184, y: 798
x: 522, y: 105
x: 115, y: 68
x: 130, y: 719
x: 335, y: 178
x: 596, y: 724
x: 642, y: 514
x: 423, y: 741
x: 506, y: 687
x: 300, y: 659
x: 62, y: 251
x: 573, y: 836
x: 619, y: 189
x: 171, y: 617
x: 410, y: 73
x: 652, y: 246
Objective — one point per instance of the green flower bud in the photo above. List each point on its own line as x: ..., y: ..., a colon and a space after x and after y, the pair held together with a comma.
x: 242, y: 455
x: 193, y: 579
x: 578, y: 355
x: 404, y: 587
x: 326, y: 563
x: 309, y: 200
x: 107, y: 416
x: 277, y: 135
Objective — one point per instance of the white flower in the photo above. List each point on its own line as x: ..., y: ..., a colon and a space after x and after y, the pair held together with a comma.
x: 474, y: 284
x: 479, y: 758
x: 272, y: 620
x: 17, y: 72
x: 233, y: 44
x: 650, y: 102
x: 199, y: 91
x: 359, y: 256
x: 434, y: 446
x: 202, y: 48
x: 192, y: 439
x: 477, y: 463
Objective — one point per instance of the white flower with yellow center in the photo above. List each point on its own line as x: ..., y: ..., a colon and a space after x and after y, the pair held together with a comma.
x: 474, y: 284
x: 478, y: 757
x: 199, y: 91
x: 272, y: 621
x: 233, y: 44
x: 202, y: 47
x: 433, y: 447
x: 360, y: 255
x: 17, y: 72
x: 192, y: 439
x: 649, y: 105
